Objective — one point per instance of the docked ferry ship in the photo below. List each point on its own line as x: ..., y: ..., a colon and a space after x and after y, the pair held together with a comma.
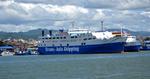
x: 80, y: 41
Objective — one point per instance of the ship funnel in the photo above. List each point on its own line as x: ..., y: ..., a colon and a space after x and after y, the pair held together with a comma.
x: 50, y: 32
x: 61, y: 30
x: 42, y: 32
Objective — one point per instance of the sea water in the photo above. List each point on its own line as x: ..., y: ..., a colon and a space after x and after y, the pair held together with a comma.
x: 134, y: 65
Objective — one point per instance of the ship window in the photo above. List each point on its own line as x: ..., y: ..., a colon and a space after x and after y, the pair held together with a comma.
x: 57, y: 37
x: 42, y: 38
x: 60, y: 44
x: 67, y: 44
x: 89, y: 38
x: 46, y: 38
x: 43, y: 41
x: 94, y: 38
x: 72, y: 36
x: 64, y: 37
x: 61, y: 38
x: 49, y: 38
x: 76, y: 37
x: 53, y: 45
x: 83, y: 44
x: 85, y: 38
x: 53, y: 37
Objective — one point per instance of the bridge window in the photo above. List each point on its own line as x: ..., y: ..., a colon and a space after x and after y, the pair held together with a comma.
x: 83, y: 44
x: 76, y: 37
x: 94, y: 38
x: 72, y: 36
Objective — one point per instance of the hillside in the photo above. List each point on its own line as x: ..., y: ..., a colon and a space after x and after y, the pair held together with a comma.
x: 33, y: 34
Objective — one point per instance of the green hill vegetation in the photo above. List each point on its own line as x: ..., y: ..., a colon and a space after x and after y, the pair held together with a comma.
x: 34, y: 34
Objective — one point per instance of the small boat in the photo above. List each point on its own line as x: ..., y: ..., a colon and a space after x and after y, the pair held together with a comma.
x: 22, y: 53
x: 7, y: 53
x: 32, y: 51
x: 146, y: 45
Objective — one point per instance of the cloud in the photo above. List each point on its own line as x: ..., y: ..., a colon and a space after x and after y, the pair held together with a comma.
x: 114, y: 4
x: 135, y: 4
x: 54, y: 2
x: 147, y: 14
x: 23, y: 15
x: 14, y: 28
x: 25, y: 12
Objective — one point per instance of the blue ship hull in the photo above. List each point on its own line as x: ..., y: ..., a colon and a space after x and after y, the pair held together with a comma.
x: 145, y: 48
x: 132, y: 48
x: 86, y: 49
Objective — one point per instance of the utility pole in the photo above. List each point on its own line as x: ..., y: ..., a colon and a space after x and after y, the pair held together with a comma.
x: 72, y: 23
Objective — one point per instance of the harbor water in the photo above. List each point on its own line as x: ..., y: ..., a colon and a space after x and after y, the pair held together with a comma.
x: 134, y: 65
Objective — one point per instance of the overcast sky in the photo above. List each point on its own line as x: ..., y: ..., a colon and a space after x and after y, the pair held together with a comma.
x: 24, y: 15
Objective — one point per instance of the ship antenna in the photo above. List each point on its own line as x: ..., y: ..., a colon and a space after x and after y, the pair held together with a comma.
x: 43, y: 33
x: 102, y: 28
x: 72, y: 23
x: 121, y: 30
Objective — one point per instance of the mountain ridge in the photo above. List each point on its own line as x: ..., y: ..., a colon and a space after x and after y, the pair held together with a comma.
x: 34, y: 34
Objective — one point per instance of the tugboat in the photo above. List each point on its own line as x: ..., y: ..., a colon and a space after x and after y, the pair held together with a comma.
x: 132, y: 44
x: 146, y: 45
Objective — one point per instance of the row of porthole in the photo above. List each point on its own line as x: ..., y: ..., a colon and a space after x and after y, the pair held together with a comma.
x: 61, y: 44
x: 89, y: 38
x: 55, y: 38
x: 65, y: 38
x: 60, y: 37
x: 52, y: 45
